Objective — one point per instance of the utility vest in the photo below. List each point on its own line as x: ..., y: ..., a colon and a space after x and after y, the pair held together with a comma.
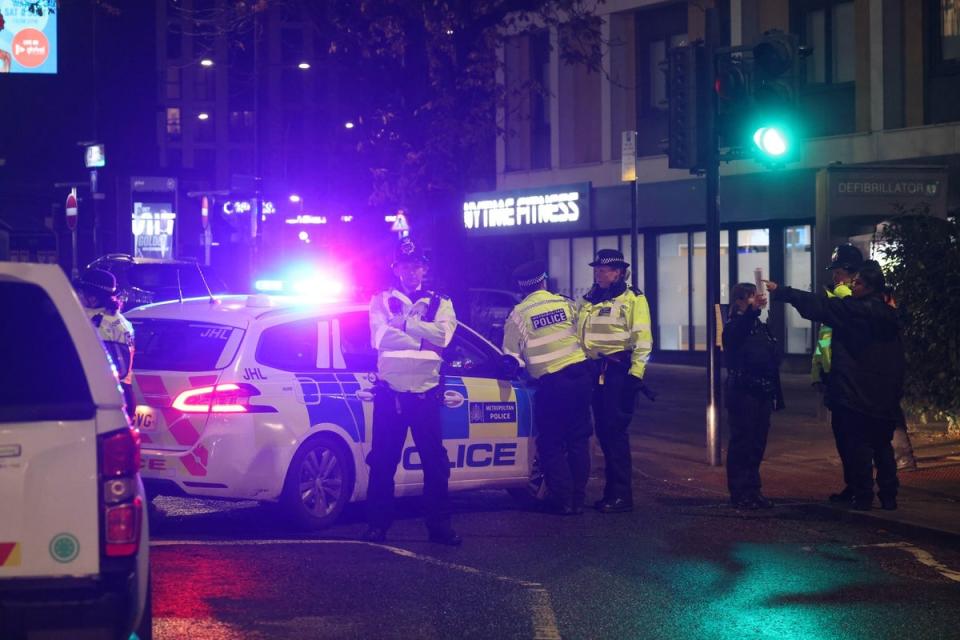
x: 409, y: 357
x: 116, y: 333
x: 542, y: 331
x: 823, y: 351
x: 620, y: 323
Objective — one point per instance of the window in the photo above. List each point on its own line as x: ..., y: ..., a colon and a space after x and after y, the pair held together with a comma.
x: 798, y: 273
x: 291, y: 46
x: 204, y: 84
x: 467, y: 355
x: 173, y: 123
x: 558, y: 267
x: 753, y: 252
x: 656, y: 30
x: 949, y: 35
x: 657, y: 79
x: 673, y: 291
x: 358, y: 352
x: 579, y: 98
x: 173, y: 83
x: 204, y: 130
x: 39, y: 347
x: 178, y: 345
x: 241, y: 126
x: 292, y: 346
x: 698, y: 293
x: 828, y: 26
x: 174, y: 40
x: 636, y: 266
x: 527, y: 102
x: 582, y: 273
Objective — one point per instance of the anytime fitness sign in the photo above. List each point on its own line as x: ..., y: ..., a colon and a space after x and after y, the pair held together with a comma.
x: 560, y: 208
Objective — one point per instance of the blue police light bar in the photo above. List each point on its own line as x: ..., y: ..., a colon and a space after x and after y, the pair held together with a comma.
x: 268, y: 285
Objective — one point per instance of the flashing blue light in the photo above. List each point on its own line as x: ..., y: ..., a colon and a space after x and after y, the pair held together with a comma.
x: 268, y: 285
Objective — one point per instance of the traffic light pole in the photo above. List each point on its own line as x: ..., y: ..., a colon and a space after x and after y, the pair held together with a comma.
x: 712, y: 174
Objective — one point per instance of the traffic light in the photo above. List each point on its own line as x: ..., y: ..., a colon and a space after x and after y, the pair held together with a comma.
x: 686, y: 104
x: 758, y: 91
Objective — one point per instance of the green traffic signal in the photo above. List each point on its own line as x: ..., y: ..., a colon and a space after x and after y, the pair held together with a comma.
x: 771, y: 141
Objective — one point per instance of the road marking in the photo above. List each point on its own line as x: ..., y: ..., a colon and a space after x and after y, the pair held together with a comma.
x: 544, y: 618
x: 922, y: 556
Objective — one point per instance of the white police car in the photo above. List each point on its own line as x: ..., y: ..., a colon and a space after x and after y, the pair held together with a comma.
x: 269, y: 398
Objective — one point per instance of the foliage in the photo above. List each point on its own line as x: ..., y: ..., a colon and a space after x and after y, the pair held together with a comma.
x: 921, y: 254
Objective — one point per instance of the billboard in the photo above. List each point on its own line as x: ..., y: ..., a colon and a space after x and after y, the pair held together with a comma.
x: 28, y: 36
x: 153, y: 230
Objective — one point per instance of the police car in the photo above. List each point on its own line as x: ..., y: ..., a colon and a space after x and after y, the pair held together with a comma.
x: 270, y: 398
x: 73, y: 527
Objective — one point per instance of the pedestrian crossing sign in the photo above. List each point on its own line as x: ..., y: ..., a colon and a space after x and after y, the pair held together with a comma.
x: 400, y: 223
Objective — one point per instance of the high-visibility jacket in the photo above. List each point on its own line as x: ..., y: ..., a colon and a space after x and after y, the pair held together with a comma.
x: 621, y: 323
x: 822, y: 351
x: 542, y: 332
x: 409, y: 355
x: 116, y: 333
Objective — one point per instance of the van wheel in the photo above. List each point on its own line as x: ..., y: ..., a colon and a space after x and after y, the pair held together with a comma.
x: 145, y: 629
x: 319, y: 482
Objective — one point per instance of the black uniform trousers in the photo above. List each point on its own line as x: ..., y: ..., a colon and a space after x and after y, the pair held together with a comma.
x: 562, y: 414
x: 613, y: 403
x: 867, y: 441
x: 393, y: 413
x: 749, y: 426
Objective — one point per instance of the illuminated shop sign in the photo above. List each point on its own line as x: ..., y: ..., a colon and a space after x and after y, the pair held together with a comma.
x: 28, y: 36
x: 153, y: 230
x: 231, y: 207
x: 560, y: 208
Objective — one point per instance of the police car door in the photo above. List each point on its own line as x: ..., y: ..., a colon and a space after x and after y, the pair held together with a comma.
x: 486, y: 419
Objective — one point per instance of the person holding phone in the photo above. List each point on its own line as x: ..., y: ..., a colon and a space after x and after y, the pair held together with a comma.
x: 752, y: 394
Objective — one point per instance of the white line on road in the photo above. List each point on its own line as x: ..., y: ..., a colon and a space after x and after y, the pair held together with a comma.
x: 922, y: 556
x: 544, y: 618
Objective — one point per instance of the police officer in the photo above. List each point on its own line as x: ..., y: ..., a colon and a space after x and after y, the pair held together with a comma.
x: 409, y: 328
x: 97, y: 290
x: 844, y: 264
x: 615, y: 332
x: 542, y: 332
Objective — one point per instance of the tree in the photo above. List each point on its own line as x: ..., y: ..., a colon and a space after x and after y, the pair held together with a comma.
x: 922, y: 256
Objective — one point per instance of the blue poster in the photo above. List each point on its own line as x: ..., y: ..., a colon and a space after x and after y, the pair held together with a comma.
x: 28, y: 36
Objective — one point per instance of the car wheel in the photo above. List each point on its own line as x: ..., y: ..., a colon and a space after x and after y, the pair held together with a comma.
x: 319, y: 482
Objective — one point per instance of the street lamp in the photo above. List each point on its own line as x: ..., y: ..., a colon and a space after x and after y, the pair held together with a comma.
x: 295, y: 198
x: 206, y: 62
x: 303, y: 65
x: 203, y: 115
x: 348, y: 125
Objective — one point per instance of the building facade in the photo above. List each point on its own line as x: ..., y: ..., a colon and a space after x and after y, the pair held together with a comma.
x: 878, y: 89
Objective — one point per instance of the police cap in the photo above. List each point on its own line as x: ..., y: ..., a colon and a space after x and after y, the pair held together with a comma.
x: 530, y: 274
x: 846, y: 256
x: 98, y: 281
x: 610, y: 258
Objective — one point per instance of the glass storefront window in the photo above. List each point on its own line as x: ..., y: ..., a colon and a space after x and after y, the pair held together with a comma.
x: 673, y: 291
x: 582, y: 271
x: 699, y: 293
x: 798, y: 273
x: 753, y: 251
x: 607, y: 242
x: 635, y: 265
x: 559, y: 265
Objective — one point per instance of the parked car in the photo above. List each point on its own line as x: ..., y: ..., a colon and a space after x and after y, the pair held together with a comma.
x: 147, y: 280
x: 264, y: 398
x: 488, y: 310
x: 73, y: 524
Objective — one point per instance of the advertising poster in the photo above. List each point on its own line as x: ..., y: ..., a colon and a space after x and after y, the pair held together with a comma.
x: 153, y: 230
x: 28, y: 36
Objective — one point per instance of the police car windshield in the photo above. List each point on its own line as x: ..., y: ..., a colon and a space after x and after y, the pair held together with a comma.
x: 179, y: 345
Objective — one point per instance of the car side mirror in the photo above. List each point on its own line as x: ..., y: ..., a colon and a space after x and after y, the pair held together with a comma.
x: 509, y: 367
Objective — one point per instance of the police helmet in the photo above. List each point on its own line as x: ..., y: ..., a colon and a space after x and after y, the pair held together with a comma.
x: 846, y: 256
x: 98, y: 281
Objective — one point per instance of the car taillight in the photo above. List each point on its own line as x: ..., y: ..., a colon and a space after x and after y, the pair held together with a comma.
x: 222, y: 398
x: 122, y: 507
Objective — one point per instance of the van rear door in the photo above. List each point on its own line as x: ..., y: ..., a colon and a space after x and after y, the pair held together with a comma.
x: 49, y: 503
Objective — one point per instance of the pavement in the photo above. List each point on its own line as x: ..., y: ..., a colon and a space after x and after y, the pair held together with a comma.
x: 801, y: 465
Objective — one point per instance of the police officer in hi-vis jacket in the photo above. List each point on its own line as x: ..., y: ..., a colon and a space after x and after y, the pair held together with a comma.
x: 542, y: 332
x: 409, y: 328
x: 615, y: 332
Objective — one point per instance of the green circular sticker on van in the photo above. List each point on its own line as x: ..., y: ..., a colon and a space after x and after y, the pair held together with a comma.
x: 64, y: 547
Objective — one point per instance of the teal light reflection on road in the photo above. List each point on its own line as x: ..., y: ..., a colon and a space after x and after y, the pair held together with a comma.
x: 777, y: 591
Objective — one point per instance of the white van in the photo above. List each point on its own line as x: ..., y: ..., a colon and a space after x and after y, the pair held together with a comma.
x: 73, y: 525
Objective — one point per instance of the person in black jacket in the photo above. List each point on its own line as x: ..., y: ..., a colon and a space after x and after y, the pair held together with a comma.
x: 752, y: 393
x: 866, y: 383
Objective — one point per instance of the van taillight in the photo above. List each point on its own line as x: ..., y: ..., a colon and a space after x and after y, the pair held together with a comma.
x: 222, y: 398
x: 122, y: 528
x: 122, y: 507
x: 120, y: 453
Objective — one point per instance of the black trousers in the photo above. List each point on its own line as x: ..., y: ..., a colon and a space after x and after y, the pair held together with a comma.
x: 562, y: 414
x: 393, y: 414
x: 749, y: 426
x: 867, y: 441
x: 613, y: 403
